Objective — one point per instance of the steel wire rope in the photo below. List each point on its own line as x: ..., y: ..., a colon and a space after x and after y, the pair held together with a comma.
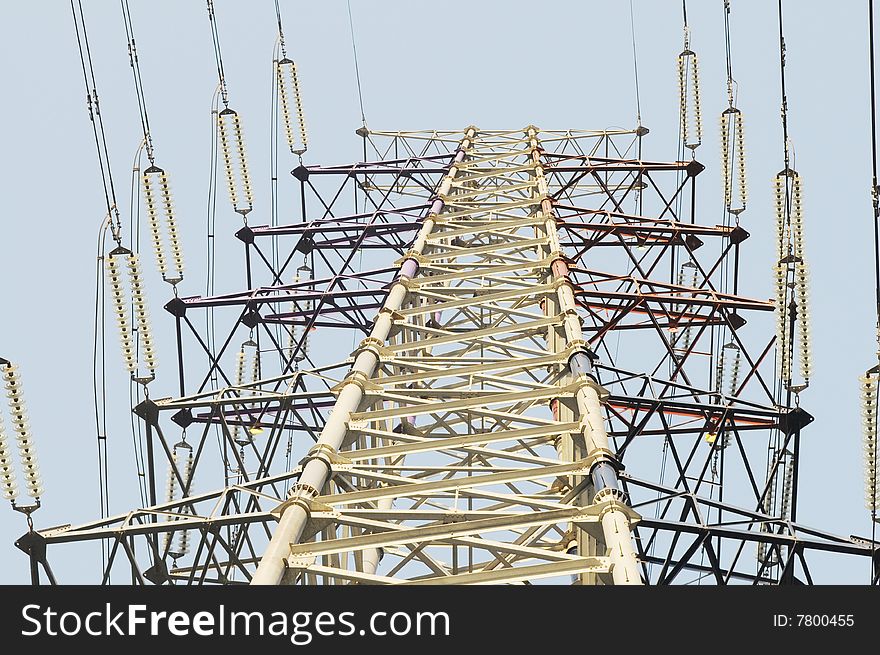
x: 138, y: 80
x: 875, y: 201
x: 357, y: 70
x: 109, y: 190
x: 94, y: 107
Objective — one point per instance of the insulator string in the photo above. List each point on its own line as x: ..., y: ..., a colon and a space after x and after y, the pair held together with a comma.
x: 7, y: 467
x: 289, y: 90
x: 140, y: 321
x: 790, y: 270
x: 690, y: 117
x: 160, y: 206
x: 869, y: 396
x: 868, y: 385
x: 733, y: 156
x: 27, y: 455
x: 235, y: 162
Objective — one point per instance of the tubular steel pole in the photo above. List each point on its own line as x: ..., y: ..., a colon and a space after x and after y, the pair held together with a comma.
x: 317, y: 468
x: 615, y: 523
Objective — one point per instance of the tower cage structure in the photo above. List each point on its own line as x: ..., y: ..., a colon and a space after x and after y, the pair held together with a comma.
x: 541, y: 368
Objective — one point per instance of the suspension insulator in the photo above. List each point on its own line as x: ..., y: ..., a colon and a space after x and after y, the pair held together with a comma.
x: 788, y: 200
x: 7, y: 467
x: 120, y: 308
x: 288, y: 88
x: 787, y: 487
x: 690, y: 116
x: 152, y: 207
x: 304, y: 272
x: 868, y: 384
x: 797, y: 216
x: 728, y: 369
x: 803, y: 320
x: 171, y: 489
x: 22, y: 429
x: 235, y: 161
x: 142, y: 319
x: 733, y: 160
x: 783, y: 349
x: 186, y: 474
x: 782, y: 225
x: 687, y: 277
x: 239, y: 381
x: 153, y: 177
x: 255, y: 366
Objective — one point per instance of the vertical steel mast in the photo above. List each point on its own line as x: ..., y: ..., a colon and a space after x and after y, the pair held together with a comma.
x: 551, y: 384
x: 494, y: 203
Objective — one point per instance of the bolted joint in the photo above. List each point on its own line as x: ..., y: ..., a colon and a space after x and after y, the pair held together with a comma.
x: 302, y: 491
x: 602, y: 456
x: 303, y: 496
x: 372, y: 345
x: 610, y: 494
x: 328, y: 455
x: 586, y: 382
x: 360, y: 379
x: 560, y: 265
x: 415, y: 256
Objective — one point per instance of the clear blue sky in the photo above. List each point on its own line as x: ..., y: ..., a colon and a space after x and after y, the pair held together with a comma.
x: 496, y: 64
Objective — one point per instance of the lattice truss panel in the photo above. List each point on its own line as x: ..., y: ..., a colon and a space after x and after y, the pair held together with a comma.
x: 496, y: 262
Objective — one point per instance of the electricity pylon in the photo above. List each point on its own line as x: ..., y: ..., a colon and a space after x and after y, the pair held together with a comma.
x: 554, y: 383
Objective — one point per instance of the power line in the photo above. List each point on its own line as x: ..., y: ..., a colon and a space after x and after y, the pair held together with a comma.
x: 632, y: 29
x: 94, y: 106
x: 138, y: 80
x: 280, y: 30
x: 357, y: 70
x: 784, y: 107
x: 728, y: 57
x: 875, y: 200
x: 218, y: 55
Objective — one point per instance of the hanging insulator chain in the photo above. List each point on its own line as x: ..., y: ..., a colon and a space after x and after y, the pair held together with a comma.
x: 727, y: 371
x: 255, y: 366
x: 801, y: 280
x: 142, y: 320
x: 770, y: 498
x: 791, y: 279
x: 787, y: 487
x: 183, y: 539
x: 733, y: 160
x: 171, y: 491
x: 239, y: 381
x: 783, y: 346
x: 303, y: 273
x: 288, y: 86
x: 22, y: 429
x: 241, y: 366
x: 153, y: 221
x: 120, y: 308
x: 156, y: 176
x: 687, y: 277
x: 868, y: 384
x: 235, y: 161
x: 782, y: 225
x: 7, y: 467
x: 768, y: 505
x: 690, y: 117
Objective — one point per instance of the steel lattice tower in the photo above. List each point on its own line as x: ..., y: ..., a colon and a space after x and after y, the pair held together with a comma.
x: 550, y: 327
